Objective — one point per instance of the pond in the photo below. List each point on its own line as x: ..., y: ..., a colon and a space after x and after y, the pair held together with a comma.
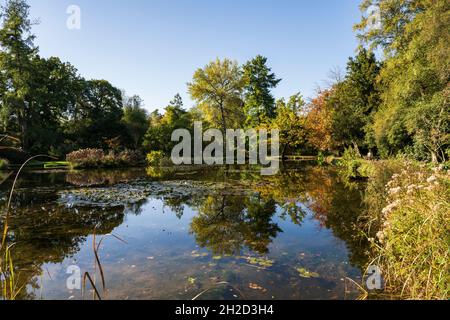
x: 203, y: 233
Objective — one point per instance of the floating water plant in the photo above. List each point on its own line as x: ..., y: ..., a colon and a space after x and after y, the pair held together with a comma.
x: 261, y: 262
x: 196, y: 254
x: 306, y: 273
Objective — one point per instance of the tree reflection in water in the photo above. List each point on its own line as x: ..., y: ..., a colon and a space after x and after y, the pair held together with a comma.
x: 50, y: 236
x: 228, y: 221
x: 225, y: 224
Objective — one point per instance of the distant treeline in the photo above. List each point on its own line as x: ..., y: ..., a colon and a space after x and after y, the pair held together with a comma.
x: 398, y: 105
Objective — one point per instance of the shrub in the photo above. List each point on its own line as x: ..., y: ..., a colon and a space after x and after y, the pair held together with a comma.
x: 321, y: 160
x: 350, y: 164
x: 155, y: 158
x: 331, y: 160
x: 375, y: 198
x: 131, y: 157
x: 411, y: 232
x: 4, y: 164
x: 86, y: 158
x: 96, y: 158
x: 366, y: 169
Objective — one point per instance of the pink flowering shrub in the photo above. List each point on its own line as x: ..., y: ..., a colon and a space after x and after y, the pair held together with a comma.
x: 86, y: 158
x: 97, y: 158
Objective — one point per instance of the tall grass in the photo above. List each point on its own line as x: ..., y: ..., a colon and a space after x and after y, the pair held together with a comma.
x: 8, y: 282
x: 9, y: 285
x: 97, y: 264
x: 408, y: 219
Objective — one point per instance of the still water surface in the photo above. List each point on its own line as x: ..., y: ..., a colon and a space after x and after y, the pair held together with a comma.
x: 223, y: 233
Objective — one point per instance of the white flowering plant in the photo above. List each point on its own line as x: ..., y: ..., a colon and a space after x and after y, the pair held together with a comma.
x: 412, y: 235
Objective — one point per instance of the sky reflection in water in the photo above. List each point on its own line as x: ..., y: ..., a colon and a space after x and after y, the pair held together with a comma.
x: 231, y: 232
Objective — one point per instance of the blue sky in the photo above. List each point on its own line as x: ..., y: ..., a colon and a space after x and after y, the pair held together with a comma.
x: 152, y: 47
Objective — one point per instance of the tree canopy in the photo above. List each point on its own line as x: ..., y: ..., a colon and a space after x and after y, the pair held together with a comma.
x: 393, y: 98
x: 414, y: 113
x: 218, y: 90
x: 259, y: 101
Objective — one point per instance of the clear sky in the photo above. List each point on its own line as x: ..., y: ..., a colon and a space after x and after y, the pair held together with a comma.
x: 152, y: 47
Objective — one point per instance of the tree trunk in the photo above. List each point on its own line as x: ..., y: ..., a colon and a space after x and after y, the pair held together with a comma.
x: 25, y: 135
x: 434, y: 157
x: 224, y: 123
x: 224, y: 129
x: 355, y: 146
x: 283, y: 153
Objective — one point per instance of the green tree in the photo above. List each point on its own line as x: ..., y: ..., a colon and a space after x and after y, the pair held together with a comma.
x: 387, y: 29
x: 218, y: 90
x: 37, y: 94
x: 45, y: 104
x: 156, y: 136
x: 54, y: 96
x: 97, y: 114
x: 17, y: 52
x: 135, y: 119
x: 159, y: 133
x: 415, y: 109
x: 259, y: 102
x: 355, y: 100
x: 177, y: 102
x: 290, y: 120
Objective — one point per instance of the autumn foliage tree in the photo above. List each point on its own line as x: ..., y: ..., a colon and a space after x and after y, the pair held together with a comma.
x: 319, y: 122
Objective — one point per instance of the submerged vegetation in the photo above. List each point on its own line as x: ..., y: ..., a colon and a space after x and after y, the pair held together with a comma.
x: 237, y: 214
x: 240, y: 218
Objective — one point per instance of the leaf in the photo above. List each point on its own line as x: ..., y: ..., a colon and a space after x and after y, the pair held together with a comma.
x: 255, y: 286
x: 263, y: 262
x: 192, y: 280
x: 307, y: 274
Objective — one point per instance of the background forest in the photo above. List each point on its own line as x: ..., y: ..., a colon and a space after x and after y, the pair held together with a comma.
x: 396, y: 104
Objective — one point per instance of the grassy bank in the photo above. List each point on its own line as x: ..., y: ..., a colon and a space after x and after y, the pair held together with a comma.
x: 47, y: 165
x: 407, y: 220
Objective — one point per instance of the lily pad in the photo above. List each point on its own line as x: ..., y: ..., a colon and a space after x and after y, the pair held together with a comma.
x: 262, y: 262
x: 192, y: 280
x: 255, y: 286
x: 306, y: 273
x: 134, y: 192
x: 196, y: 254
